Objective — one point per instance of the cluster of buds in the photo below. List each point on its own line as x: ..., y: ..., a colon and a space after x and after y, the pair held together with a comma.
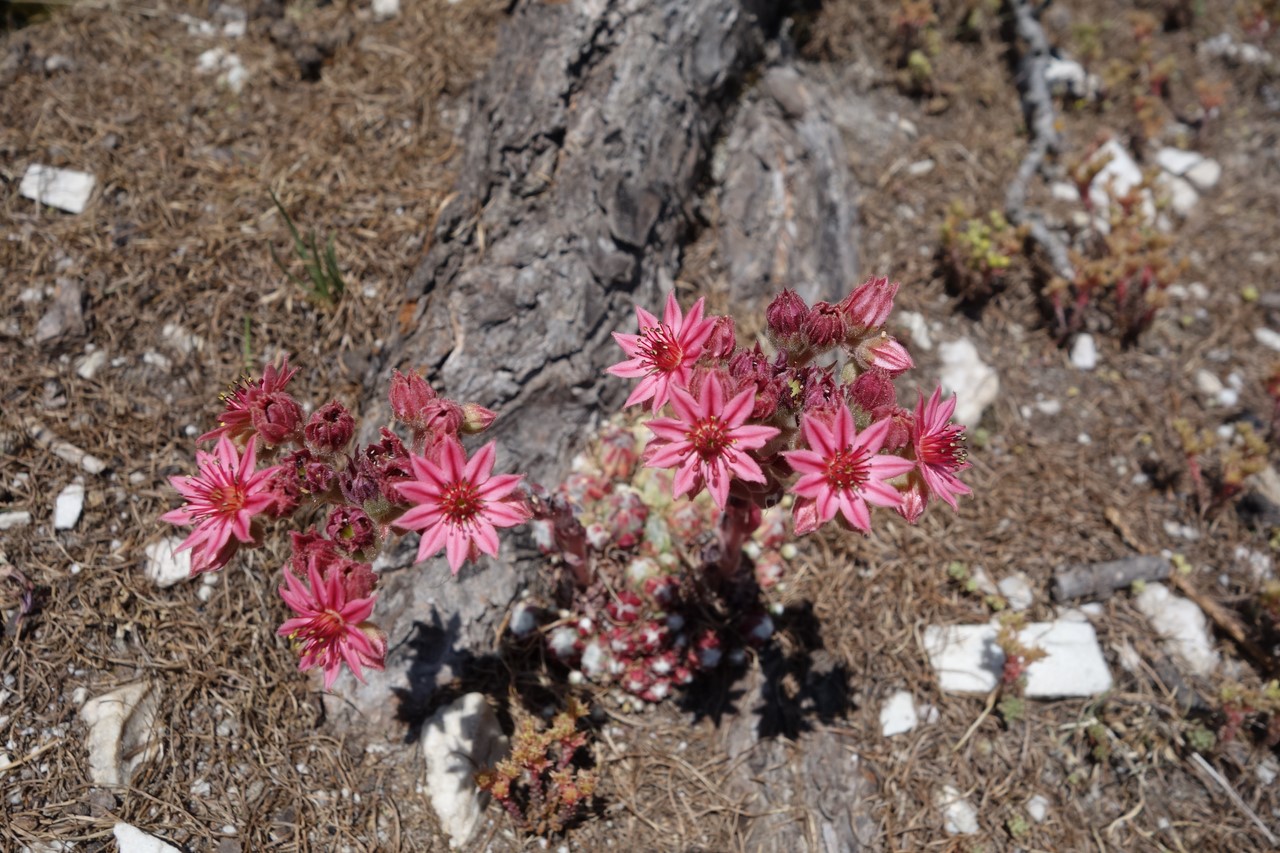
x: 639, y: 622
x: 371, y: 491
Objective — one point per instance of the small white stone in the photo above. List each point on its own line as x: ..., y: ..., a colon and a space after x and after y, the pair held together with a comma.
x: 461, y: 738
x: 65, y: 189
x: 1259, y: 563
x: 1268, y: 338
x: 1084, y: 352
x: 385, y: 9
x: 1084, y: 438
x: 1118, y: 176
x: 122, y: 732
x: 1182, y: 195
x: 898, y: 714
x: 14, y: 519
x: 1205, y: 174
x: 1066, y: 77
x: 1038, y: 808
x: 1049, y: 407
x: 68, y: 506
x: 1175, y: 161
x: 1208, y: 384
x: 1017, y: 591
x: 1267, y: 770
x: 1063, y: 191
x: 201, y: 788
x: 523, y: 620
x: 968, y: 660
x: 167, y: 566
x: 920, y: 168
x: 1181, y: 624
x: 959, y: 817
x: 1180, y: 531
x: 88, y: 366
x: 974, y: 382
x: 1228, y: 398
x: 134, y: 840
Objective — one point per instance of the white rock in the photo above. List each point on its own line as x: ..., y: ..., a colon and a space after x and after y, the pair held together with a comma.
x: 461, y: 738
x: 134, y: 840
x: 1208, y: 384
x: 1066, y: 77
x: 1228, y: 398
x: 1268, y: 338
x: 968, y: 660
x: 1017, y: 591
x: 917, y: 327
x: 1259, y: 563
x: 1266, y: 770
x: 1180, y: 531
x: 65, y: 189
x: 88, y: 367
x: 68, y: 506
x: 14, y: 519
x: 230, y: 70
x: 1084, y: 352
x: 166, y: 565
x: 898, y: 714
x: 122, y: 732
x: 959, y: 817
x: 1049, y: 407
x: 1183, y: 197
x: 1223, y: 46
x: 1181, y: 624
x: 1064, y: 191
x: 974, y: 382
x: 1117, y: 177
x: 1175, y: 161
x: 1038, y: 808
x: 385, y: 9
x: 983, y: 581
x: 920, y: 168
x: 1205, y: 174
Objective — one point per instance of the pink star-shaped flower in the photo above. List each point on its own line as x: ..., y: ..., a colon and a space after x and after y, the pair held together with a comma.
x: 706, y: 443
x: 330, y: 627
x: 458, y: 505
x: 843, y: 471
x: 222, y: 500
x: 664, y: 352
x: 939, y: 447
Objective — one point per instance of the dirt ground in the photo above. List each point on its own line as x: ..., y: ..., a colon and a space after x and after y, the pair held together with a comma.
x: 173, y: 257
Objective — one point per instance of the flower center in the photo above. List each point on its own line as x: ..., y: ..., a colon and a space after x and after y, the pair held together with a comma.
x: 944, y: 448
x: 849, y: 469
x: 661, y: 349
x: 226, y: 500
x: 709, y: 438
x: 461, y: 502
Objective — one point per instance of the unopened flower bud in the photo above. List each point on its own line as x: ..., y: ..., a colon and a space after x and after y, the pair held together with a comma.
x: 476, y: 418
x: 873, y: 391
x: 885, y: 353
x: 786, y: 314
x: 868, y: 306
x: 350, y: 529
x: 409, y: 394
x: 329, y: 428
x: 722, y: 342
x: 275, y: 417
x: 824, y: 325
x: 913, y: 503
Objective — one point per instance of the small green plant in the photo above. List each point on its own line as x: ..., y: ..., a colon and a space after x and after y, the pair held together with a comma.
x: 540, y: 785
x: 1017, y: 657
x: 324, y: 285
x: 1017, y: 826
x: 977, y: 252
x: 1219, y: 467
x: 1200, y: 738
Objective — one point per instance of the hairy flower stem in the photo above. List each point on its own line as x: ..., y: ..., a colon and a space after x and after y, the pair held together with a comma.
x: 738, y: 521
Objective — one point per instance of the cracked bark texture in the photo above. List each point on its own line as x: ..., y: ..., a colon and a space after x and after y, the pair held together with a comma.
x: 584, y: 151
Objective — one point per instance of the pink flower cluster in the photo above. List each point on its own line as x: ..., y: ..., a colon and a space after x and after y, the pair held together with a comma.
x: 430, y: 486
x: 746, y: 424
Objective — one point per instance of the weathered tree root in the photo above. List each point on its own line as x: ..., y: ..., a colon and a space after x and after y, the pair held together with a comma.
x: 1038, y: 112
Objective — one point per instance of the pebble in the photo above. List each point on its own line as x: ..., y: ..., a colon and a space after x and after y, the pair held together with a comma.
x: 384, y: 10
x: 1064, y: 191
x: 1180, y: 531
x: 967, y: 659
x: 1038, y: 808
x: 959, y: 817
x: 1017, y: 591
x: 134, y: 840
x: 1223, y: 46
x: 917, y: 327
x: 88, y: 366
x: 1084, y: 352
x: 1267, y: 770
x: 920, y: 168
x: 1182, y: 194
x: 1175, y: 161
x: 898, y: 714
x: 1205, y: 174
x: 1208, y: 384
x: 461, y: 737
x: 974, y: 382
x: 1181, y: 624
x: 121, y: 733
x: 68, y: 506
x: 14, y: 519
x: 167, y: 566
x: 65, y: 189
